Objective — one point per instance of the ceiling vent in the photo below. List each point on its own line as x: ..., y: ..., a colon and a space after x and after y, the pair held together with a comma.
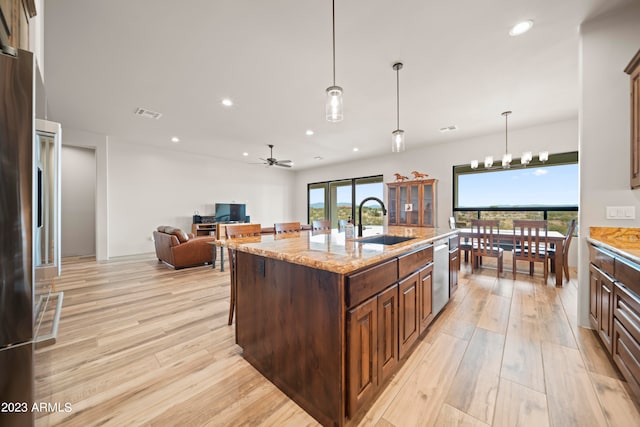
x: 143, y: 112
x: 449, y: 129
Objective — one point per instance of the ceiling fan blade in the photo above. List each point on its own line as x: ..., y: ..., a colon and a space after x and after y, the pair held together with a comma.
x: 284, y: 161
x: 282, y: 165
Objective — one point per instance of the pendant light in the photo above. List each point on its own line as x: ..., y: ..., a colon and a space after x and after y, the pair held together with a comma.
x: 507, y: 158
x: 334, y: 93
x: 397, y: 136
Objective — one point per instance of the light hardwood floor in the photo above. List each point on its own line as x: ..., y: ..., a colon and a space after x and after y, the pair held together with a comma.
x: 140, y: 344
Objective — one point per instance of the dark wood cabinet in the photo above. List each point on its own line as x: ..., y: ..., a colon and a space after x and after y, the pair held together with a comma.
x: 425, y: 308
x: 412, y: 203
x: 601, y: 294
x: 633, y: 69
x: 387, y: 333
x: 614, y: 309
x: 14, y: 22
x: 454, y: 263
x: 363, y: 348
x: 408, y: 313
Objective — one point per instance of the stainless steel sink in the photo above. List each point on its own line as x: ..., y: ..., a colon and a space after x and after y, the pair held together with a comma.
x: 384, y: 239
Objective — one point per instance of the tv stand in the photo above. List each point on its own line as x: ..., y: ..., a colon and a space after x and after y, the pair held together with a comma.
x: 204, y: 229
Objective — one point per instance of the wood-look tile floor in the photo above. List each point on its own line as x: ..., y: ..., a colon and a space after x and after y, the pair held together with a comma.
x: 141, y: 344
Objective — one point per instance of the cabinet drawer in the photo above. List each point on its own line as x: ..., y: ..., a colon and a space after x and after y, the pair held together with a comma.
x: 626, y: 355
x: 367, y: 283
x: 413, y: 261
x: 626, y: 310
x: 601, y: 259
x: 628, y: 273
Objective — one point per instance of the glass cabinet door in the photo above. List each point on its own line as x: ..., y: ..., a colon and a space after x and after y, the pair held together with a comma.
x: 415, y: 205
x: 404, y: 199
x: 427, y: 205
x: 393, y: 214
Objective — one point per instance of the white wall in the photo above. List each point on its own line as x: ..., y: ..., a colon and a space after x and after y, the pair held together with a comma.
x: 149, y: 187
x: 438, y: 160
x: 607, y: 45
x: 78, y: 179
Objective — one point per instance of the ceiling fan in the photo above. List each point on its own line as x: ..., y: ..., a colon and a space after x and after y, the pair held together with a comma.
x: 270, y: 161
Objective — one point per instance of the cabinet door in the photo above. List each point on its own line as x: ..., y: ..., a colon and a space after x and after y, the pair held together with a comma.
x: 408, y: 312
x: 635, y: 128
x: 362, y: 353
x: 606, y: 314
x: 594, y: 287
x: 424, y: 297
x: 454, y: 268
x: 403, y: 200
x: 387, y: 333
x: 414, y: 200
x: 427, y: 212
x: 392, y: 200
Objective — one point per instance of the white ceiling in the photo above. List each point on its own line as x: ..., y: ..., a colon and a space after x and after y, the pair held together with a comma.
x: 273, y: 58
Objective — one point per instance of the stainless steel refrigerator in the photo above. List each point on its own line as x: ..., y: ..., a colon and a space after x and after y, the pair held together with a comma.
x: 16, y: 238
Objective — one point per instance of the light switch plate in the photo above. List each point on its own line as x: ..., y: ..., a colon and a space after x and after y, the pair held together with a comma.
x: 621, y: 212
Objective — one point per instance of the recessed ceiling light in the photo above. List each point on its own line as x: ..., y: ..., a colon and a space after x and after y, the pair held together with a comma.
x: 317, y: 158
x: 356, y: 149
x: 309, y: 132
x: 449, y: 128
x: 245, y: 154
x: 521, y: 27
x: 227, y: 102
x: 175, y: 139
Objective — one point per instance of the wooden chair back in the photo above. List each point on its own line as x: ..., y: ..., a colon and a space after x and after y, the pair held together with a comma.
x: 484, y: 239
x: 530, y: 243
x: 242, y: 230
x: 286, y: 227
x: 485, y: 242
x: 321, y: 225
x: 530, y: 239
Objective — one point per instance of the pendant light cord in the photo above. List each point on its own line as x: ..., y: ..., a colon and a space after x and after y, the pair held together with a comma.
x: 398, y: 96
x: 506, y: 145
x: 333, y: 20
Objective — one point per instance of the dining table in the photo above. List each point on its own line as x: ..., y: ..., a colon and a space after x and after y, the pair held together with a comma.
x: 555, y: 239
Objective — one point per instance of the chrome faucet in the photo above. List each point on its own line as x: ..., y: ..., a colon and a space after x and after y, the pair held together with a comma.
x: 384, y: 212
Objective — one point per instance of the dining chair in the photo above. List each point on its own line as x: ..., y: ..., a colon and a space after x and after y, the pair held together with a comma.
x: 530, y: 243
x: 465, y: 244
x: 484, y: 243
x: 323, y: 225
x: 286, y: 227
x: 235, y: 231
x: 565, y: 250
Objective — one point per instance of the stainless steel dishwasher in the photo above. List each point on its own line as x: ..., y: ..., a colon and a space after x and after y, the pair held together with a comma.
x: 440, y: 286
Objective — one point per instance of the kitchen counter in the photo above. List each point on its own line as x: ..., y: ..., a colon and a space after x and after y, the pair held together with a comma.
x: 332, y: 252
x: 623, y: 241
x: 329, y: 320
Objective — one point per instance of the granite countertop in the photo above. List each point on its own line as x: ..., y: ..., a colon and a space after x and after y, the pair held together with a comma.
x: 332, y: 252
x: 624, y: 241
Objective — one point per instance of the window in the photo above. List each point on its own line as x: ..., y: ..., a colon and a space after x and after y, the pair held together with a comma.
x: 336, y: 200
x: 539, y: 191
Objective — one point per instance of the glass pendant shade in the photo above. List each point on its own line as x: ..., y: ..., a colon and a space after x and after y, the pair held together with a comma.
x: 474, y: 164
x: 334, y: 104
x: 526, y: 158
x: 397, y: 141
x: 506, y: 160
x: 488, y: 161
x: 543, y: 156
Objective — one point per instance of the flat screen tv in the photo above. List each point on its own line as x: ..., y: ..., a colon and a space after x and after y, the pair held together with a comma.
x: 230, y: 212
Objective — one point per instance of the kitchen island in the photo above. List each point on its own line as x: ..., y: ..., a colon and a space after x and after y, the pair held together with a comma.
x: 328, y: 319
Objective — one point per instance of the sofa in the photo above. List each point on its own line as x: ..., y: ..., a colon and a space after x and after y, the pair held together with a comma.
x: 178, y: 249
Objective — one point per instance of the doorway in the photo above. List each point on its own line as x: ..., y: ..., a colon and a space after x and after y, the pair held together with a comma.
x: 78, y: 201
